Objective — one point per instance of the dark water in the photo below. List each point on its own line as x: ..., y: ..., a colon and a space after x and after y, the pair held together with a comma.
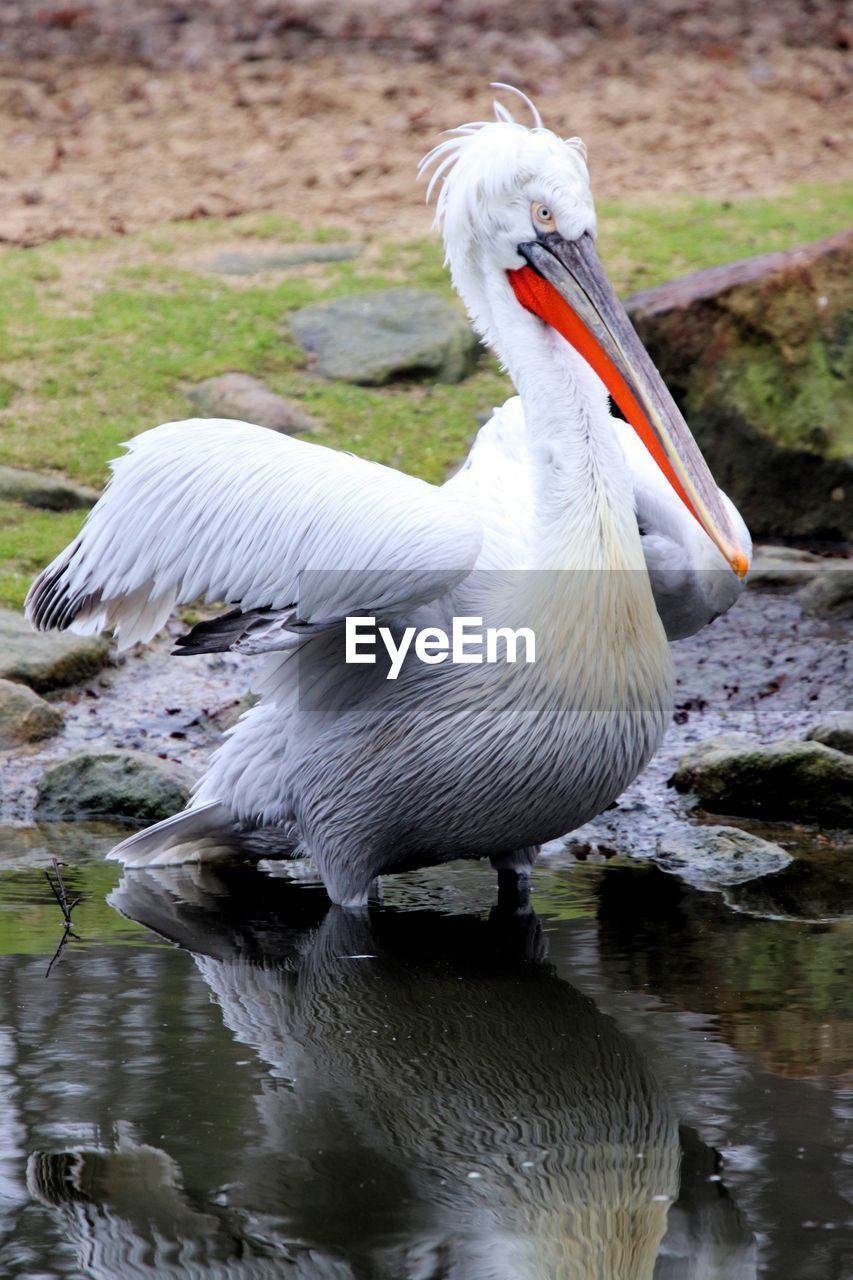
x: 639, y: 1080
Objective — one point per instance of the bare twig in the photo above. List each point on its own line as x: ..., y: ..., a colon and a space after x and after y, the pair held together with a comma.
x: 59, y: 891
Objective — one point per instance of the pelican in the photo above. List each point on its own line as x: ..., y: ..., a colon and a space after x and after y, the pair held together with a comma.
x: 604, y: 538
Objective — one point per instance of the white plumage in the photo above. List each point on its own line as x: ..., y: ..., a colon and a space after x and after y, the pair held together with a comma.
x: 223, y: 510
x: 551, y: 523
x: 691, y: 582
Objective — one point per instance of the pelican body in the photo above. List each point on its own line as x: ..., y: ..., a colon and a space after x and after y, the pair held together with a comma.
x: 605, y: 538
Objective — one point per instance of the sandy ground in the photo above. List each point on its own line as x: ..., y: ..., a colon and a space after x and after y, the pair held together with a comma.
x: 334, y: 137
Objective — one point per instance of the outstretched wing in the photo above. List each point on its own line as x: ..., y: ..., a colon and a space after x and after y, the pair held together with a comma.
x: 224, y: 510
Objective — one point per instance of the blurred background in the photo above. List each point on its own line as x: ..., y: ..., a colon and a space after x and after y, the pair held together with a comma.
x: 121, y: 113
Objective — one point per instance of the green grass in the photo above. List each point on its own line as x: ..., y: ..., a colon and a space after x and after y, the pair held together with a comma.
x: 643, y: 246
x: 28, y: 540
x: 98, y: 338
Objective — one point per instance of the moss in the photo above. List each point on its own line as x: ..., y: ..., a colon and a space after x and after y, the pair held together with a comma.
x: 810, y: 411
x: 113, y: 784
x: 787, y: 780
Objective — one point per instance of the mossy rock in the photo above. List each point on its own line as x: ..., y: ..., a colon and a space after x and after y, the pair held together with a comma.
x: 759, y: 356
x: 47, y: 660
x: 817, y: 887
x: 789, y: 780
x: 113, y: 784
x: 776, y: 568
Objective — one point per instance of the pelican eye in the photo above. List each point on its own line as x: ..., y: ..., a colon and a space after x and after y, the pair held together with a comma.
x: 543, y: 216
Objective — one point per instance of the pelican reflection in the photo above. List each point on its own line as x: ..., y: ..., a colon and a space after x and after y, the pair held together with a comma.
x: 437, y: 1104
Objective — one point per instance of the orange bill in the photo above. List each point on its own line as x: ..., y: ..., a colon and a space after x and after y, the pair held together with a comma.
x: 565, y: 286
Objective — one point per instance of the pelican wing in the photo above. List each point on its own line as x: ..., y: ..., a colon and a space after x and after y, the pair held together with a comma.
x: 691, y: 581
x: 495, y: 483
x: 228, y: 511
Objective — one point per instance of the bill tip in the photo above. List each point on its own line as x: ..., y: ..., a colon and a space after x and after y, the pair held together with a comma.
x: 740, y: 564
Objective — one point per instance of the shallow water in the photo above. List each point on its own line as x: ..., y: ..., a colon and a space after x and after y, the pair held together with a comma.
x: 639, y: 1080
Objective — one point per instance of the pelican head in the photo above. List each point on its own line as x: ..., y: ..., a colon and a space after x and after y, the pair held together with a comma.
x: 519, y: 228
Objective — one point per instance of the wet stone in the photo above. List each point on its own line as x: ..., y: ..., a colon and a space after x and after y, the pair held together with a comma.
x: 240, y: 396
x: 835, y: 731
x: 373, y: 338
x: 830, y: 594
x: 719, y: 855
x: 298, y: 255
x: 113, y: 784
x: 47, y: 493
x: 47, y: 660
x: 788, y: 780
x: 811, y: 887
x: 24, y: 716
x: 783, y: 568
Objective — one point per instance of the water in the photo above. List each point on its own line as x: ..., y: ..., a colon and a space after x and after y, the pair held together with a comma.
x: 639, y: 1080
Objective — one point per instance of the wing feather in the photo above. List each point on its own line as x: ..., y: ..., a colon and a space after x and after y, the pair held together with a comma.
x: 229, y: 511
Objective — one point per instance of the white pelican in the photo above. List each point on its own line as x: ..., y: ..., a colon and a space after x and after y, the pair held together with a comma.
x: 544, y: 527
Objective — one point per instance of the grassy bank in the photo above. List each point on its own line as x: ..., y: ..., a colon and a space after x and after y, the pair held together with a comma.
x: 99, y: 338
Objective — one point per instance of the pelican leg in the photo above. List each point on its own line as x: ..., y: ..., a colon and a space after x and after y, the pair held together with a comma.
x: 514, y: 878
x: 513, y: 891
x: 514, y: 924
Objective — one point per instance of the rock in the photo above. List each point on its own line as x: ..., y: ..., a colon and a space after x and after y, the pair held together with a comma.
x: 113, y: 784
x: 782, y: 568
x: 373, y: 338
x: 238, y: 395
x: 835, y: 731
x: 814, y: 886
x: 829, y: 594
x: 759, y: 356
x: 24, y: 716
x: 718, y: 855
x: 788, y: 780
x: 47, y: 660
x: 823, y: 584
x: 49, y: 493
x: 297, y: 255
